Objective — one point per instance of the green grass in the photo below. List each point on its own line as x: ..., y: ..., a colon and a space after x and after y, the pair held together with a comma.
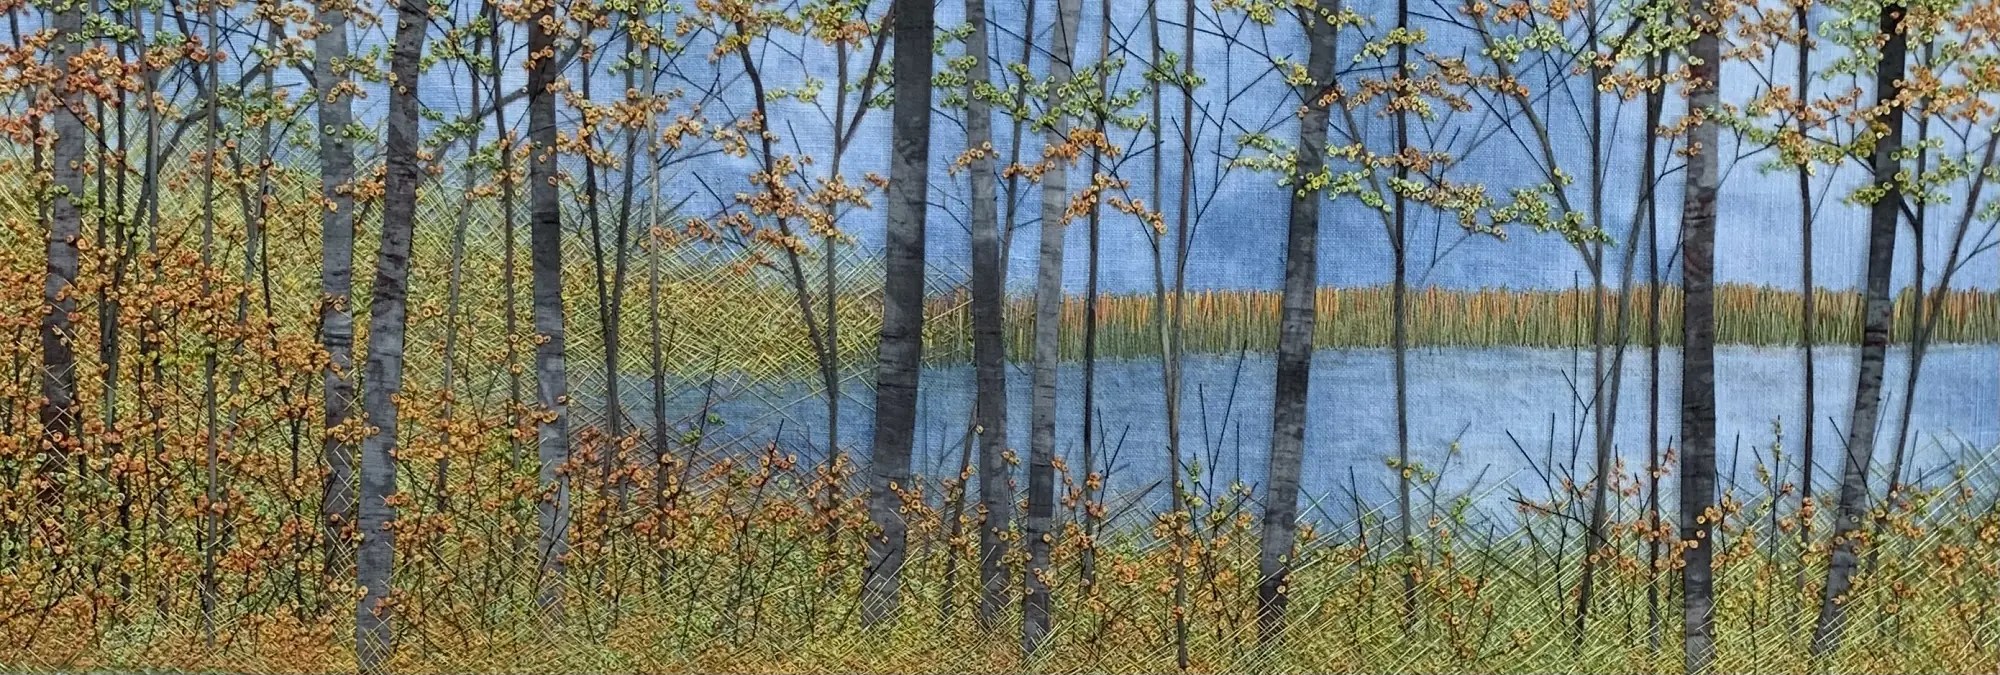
x: 751, y: 569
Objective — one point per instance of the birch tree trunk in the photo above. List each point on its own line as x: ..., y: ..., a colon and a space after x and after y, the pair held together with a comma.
x: 1882, y: 220
x: 551, y: 371
x: 1035, y: 610
x: 989, y: 347
x: 1295, y: 334
x: 336, y: 278
x: 58, y: 405
x: 1698, y: 348
x: 901, y: 346
x: 382, y: 376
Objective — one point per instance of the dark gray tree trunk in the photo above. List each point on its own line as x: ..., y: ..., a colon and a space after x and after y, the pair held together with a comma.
x: 900, y: 358
x: 551, y: 371
x: 382, y: 375
x: 1035, y: 605
x: 211, y: 471
x: 1650, y: 178
x: 1808, y: 308
x: 112, y: 327
x: 149, y: 373
x: 611, y: 269
x: 1295, y: 337
x: 1698, y: 351
x: 1170, y: 398
x: 1087, y: 563
x: 1400, y: 339
x: 1604, y: 383
x: 654, y: 318
x: 989, y: 347
x: 510, y: 308
x: 454, y: 297
x: 1882, y: 221
x: 58, y: 405
x: 336, y: 280
x: 1177, y: 320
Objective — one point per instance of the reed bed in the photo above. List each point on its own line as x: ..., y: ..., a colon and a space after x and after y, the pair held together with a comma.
x: 1229, y: 320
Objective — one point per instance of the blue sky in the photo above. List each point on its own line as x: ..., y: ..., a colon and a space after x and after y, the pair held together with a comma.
x: 1239, y: 242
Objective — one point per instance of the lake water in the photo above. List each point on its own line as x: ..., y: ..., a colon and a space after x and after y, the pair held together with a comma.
x: 1509, y: 412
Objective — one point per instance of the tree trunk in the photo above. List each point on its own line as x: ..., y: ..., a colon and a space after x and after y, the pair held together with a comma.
x: 454, y: 297
x: 511, y: 308
x: 657, y: 239
x: 1650, y: 177
x: 1400, y: 337
x: 1808, y: 309
x: 382, y: 375
x: 212, y: 508
x: 1168, y: 398
x: 336, y: 280
x: 112, y: 328
x: 1882, y: 221
x: 1176, y: 318
x: 900, y: 358
x: 1919, y: 219
x: 1698, y: 350
x: 149, y: 336
x: 1087, y: 563
x: 1035, y: 610
x: 1295, y: 336
x: 989, y: 347
x: 551, y: 372
x: 1604, y: 389
x: 58, y: 405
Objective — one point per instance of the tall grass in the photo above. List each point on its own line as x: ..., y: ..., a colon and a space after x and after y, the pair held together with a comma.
x: 1228, y: 320
x: 749, y: 562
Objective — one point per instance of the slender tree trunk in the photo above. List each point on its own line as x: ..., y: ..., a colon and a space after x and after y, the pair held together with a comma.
x: 657, y: 238
x: 113, y: 327
x: 1035, y: 605
x: 503, y: 136
x: 822, y: 341
x: 58, y: 372
x: 1162, y: 324
x: 1650, y: 177
x: 503, y: 139
x: 622, y: 260
x: 1177, y: 320
x: 211, y: 459
x: 989, y: 346
x: 1919, y: 317
x: 1808, y: 309
x: 1400, y: 337
x: 1295, y: 335
x: 336, y: 315
x: 829, y: 364
x: 1698, y: 348
x: 382, y: 375
x: 1604, y: 392
x: 901, y: 344
x: 1087, y: 563
x: 1882, y: 221
x: 149, y: 335
x: 107, y: 321
x: 454, y: 296
x: 607, y: 311
x: 551, y: 369
x: 954, y: 519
